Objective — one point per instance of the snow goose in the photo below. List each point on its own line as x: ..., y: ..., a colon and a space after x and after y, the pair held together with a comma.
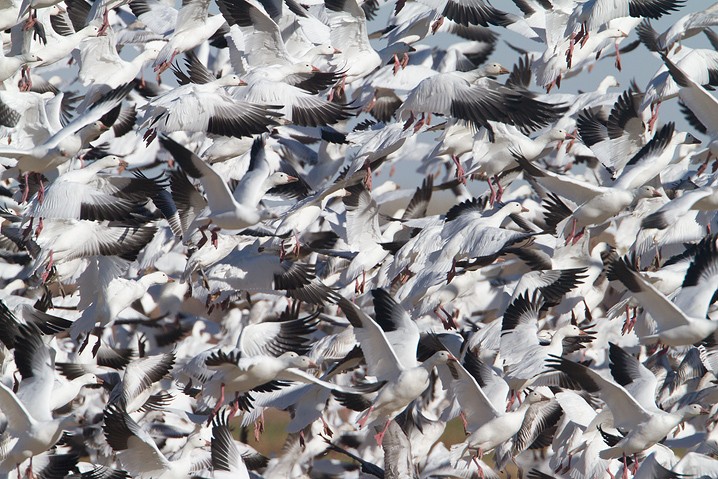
x: 24, y: 313
x: 391, y: 357
x: 682, y: 322
x: 68, y: 141
x: 78, y: 194
x: 9, y: 66
x: 642, y: 427
x: 35, y: 362
x: 347, y: 21
x: 263, y: 42
x: 235, y: 375
x: 64, y: 38
x: 227, y: 462
x: 301, y: 105
x: 668, y: 215
x: 194, y: 26
x: 134, y: 391
x: 140, y: 456
x: 65, y: 240
x: 363, y: 235
x: 223, y: 209
x: 603, y: 207
x: 472, y: 12
x: 245, y: 270
x: 27, y: 116
x: 30, y: 422
x: 692, y: 93
x: 615, y: 139
x: 521, y: 350
x: 699, y: 64
x: 112, y: 295
x: 473, y: 97
x: 102, y: 69
x: 216, y: 111
x: 591, y: 15
x: 469, y: 234
x: 493, y: 158
x: 663, y: 149
x: 688, y: 26
x: 482, y: 394
x: 552, y: 67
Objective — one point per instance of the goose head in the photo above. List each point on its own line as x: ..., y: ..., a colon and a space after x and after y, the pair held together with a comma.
x: 609, y: 82
x: 324, y: 50
x: 535, y: 397
x: 494, y: 69
x: 29, y: 58
x: 512, y: 208
x: 559, y: 134
x: 646, y: 191
x: 692, y: 410
x: 296, y: 361
x: 230, y: 80
x: 280, y: 178
x: 158, y: 277
x: 88, y: 379
x: 439, y: 357
x: 195, y: 441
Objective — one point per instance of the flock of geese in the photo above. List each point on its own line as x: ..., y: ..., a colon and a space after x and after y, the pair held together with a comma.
x: 199, y: 225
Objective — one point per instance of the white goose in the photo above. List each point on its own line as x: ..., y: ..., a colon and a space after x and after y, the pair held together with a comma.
x: 391, y: 357
x: 214, y: 111
x: 194, y: 26
x: 224, y: 209
x: 140, y: 456
x: 642, y: 427
x: 112, y: 295
x: 683, y: 321
x: 31, y: 426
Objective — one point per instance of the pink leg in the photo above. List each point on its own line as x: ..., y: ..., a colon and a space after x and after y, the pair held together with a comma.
x: 41, y: 191
x: 220, y: 401
x: 654, y: 116
x: 48, y: 268
x: 460, y: 172
x: 31, y: 20
x: 105, y: 23
x: 625, y: 468
x: 464, y: 422
x: 367, y: 177
x: 259, y: 427
x: 618, y: 57
x: 420, y: 123
x: 569, y: 52
x: 25, y: 83
x: 492, y: 198
x: 452, y: 272
x: 26, y: 191
x: 584, y: 37
x: 436, y: 25
x: 327, y: 430
x: 409, y: 121
x: 362, y: 422
x: 578, y: 236
x: 499, y: 189
x: 573, y: 231
x: 165, y: 65
x: 380, y: 437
